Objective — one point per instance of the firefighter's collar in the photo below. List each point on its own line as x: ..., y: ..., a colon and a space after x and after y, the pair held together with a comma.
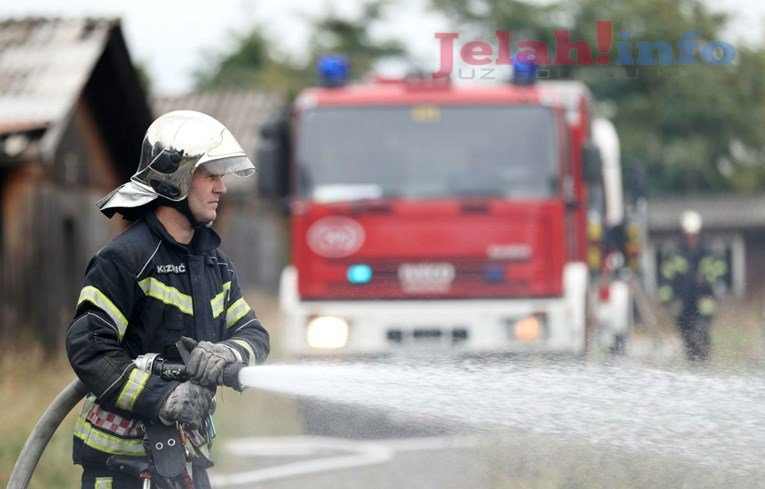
x: 205, y: 238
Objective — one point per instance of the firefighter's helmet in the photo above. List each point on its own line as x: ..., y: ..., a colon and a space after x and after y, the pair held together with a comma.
x: 691, y: 222
x: 176, y: 144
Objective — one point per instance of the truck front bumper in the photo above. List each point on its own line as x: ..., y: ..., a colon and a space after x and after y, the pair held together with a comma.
x: 534, y: 325
x: 554, y: 325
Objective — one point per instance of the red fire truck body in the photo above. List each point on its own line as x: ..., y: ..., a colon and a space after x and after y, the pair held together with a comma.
x: 428, y: 215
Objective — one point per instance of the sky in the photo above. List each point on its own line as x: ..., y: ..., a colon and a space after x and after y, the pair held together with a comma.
x: 172, y: 38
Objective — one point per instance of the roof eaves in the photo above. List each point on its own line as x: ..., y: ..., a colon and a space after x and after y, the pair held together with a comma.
x: 52, y: 137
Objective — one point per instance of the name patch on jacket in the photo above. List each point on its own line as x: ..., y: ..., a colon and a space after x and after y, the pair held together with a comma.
x: 171, y: 268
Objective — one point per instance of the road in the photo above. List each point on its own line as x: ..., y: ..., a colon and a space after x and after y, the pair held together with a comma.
x: 547, y: 425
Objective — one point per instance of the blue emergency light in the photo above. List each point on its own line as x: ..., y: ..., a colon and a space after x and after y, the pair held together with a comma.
x: 494, y: 273
x: 524, y: 68
x: 333, y: 70
x: 359, y: 274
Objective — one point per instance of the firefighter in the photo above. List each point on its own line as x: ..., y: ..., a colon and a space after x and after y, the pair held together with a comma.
x: 161, y: 279
x: 688, y: 275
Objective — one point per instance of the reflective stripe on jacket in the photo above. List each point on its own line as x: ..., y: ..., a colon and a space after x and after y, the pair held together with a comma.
x: 141, y: 293
x: 687, y: 279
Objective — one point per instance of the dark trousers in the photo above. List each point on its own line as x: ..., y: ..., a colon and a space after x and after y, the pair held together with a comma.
x: 101, y: 478
x: 694, y: 330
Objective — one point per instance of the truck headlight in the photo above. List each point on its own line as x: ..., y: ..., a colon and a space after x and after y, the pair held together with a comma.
x: 528, y: 329
x: 327, y: 332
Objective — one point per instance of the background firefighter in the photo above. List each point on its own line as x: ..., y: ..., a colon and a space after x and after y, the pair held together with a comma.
x: 689, y: 278
x: 160, y: 280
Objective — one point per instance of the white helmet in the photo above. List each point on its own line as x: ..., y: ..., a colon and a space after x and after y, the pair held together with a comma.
x: 175, y: 145
x: 690, y: 222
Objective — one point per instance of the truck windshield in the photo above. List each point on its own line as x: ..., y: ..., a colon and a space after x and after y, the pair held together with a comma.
x: 427, y: 151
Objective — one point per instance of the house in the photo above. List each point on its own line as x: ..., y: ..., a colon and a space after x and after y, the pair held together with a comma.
x: 72, y: 116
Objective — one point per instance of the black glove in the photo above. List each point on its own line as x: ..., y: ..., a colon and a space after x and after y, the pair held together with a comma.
x: 189, y: 403
x: 208, y: 361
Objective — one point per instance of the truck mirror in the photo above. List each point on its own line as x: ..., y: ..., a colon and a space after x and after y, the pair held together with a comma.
x: 592, y: 163
x: 273, y: 160
x: 269, y: 129
x: 267, y: 161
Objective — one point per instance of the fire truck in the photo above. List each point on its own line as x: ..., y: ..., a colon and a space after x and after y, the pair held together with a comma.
x: 428, y: 215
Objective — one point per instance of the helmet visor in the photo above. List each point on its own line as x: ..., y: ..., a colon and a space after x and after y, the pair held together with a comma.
x: 236, y: 165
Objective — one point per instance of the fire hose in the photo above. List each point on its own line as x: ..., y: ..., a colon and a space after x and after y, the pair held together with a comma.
x: 74, y: 392
x: 42, y: 433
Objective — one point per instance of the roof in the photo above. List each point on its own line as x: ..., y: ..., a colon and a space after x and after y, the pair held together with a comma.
x: 241, y: 111
x: 44, y: 64
x: 47, y: 64
x: 718, y: 212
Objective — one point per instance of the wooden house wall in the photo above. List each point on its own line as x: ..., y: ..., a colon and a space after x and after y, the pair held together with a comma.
x: 82, y: 158
x: 50, y: 229
x: 17, y: 249
x: 754, y: 241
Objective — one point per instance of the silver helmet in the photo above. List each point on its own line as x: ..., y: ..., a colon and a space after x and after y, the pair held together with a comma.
x: 176, y: 144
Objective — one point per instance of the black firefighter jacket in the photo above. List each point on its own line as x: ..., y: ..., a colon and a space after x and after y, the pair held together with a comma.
x: 689, y: 280
x: 141, y: 293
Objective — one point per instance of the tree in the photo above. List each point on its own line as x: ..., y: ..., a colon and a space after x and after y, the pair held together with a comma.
x: 696, y: 127
x: 253, y: 61
x: 352, y: 38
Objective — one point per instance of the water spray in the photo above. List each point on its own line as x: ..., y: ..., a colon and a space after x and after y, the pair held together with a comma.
x: 699, y: 416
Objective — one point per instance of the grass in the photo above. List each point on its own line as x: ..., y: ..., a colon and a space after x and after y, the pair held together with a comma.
x: 737, y: 334
x: 28, y: 383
